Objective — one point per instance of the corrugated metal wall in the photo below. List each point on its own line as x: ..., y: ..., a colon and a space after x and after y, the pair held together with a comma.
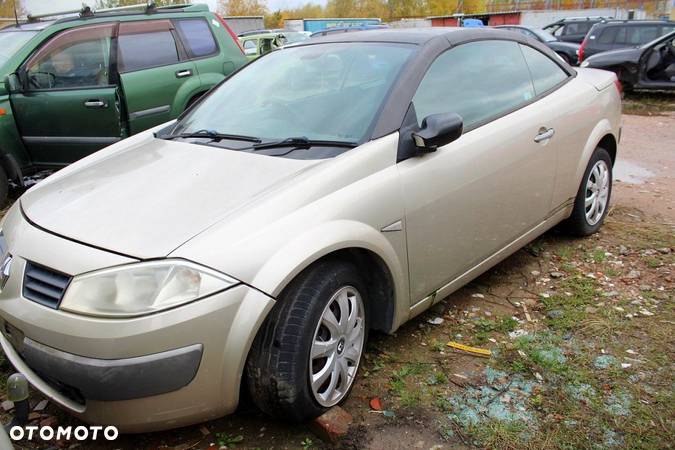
x: 544, y: 17
x: 314, y: 25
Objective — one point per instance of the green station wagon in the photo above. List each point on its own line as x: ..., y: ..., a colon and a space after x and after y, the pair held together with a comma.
x: 72, y: 86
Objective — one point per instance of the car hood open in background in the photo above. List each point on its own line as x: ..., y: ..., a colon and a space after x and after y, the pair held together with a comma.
x: 147, y: 200
x: 631, y: 54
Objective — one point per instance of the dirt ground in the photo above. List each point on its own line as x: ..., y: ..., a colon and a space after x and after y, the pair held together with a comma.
x: 580, y: 330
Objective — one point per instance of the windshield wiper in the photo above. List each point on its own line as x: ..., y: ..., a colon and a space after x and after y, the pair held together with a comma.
x: 210, y: 134
x: 303, y: 142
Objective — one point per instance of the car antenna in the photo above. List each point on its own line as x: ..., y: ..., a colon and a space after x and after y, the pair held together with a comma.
x: 16, y: 16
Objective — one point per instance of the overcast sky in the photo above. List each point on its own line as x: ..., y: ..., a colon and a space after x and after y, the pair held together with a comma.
x: 46, y: 6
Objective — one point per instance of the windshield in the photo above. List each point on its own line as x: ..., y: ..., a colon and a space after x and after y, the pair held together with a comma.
x: 321, y: 92
x: 11, y: 42
x: 544, y: 35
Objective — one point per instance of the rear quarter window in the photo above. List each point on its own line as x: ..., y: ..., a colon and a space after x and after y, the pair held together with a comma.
x: 546, y: 74
x: 143, y: 45
x: 197, y: 37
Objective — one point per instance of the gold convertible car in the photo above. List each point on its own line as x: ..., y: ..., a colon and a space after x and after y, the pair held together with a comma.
x: 341, y: 185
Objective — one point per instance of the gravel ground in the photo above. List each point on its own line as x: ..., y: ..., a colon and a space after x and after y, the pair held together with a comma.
x: 581, y: 334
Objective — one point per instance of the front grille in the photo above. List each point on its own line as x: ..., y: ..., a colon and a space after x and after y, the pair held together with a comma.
x: 43, y: 285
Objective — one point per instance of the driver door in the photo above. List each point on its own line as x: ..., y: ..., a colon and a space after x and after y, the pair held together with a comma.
x: 657, y: 65
x: 474, y: 196
x: 69, y: 106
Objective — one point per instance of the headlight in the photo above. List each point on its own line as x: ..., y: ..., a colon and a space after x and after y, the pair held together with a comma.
x: 143, y: 288
x: 584, y: 64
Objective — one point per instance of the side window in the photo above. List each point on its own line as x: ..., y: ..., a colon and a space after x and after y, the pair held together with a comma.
x: 478, y: 81
x: 667, y: 29
x: 146, y: 44
x: 249, y: 44
x: 545, y: 73
x: 76, y: 58
x: 641, y: 35
x: 197, y: 36
x: 608, y: 35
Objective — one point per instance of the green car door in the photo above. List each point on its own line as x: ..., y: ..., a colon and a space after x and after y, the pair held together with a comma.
x: 69, y: 106
x: 157, y: 78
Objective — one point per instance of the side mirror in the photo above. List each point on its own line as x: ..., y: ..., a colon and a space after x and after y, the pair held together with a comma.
x: 437, y: 131
x: 13, y: 83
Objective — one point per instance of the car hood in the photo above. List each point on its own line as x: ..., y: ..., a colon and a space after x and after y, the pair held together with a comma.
x: 615, y: 56
x: 561, y: 45
x: 146, y: 199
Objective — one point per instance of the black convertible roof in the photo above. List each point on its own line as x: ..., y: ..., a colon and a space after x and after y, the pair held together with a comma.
x: 418, y: 36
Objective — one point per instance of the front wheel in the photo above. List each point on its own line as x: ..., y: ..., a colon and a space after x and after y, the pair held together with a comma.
x: 307, y: 354
x: 592, y: 200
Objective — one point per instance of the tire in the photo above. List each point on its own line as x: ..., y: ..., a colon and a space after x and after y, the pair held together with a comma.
x: 4, y: 187
x: 278, y: 368
x: 582, y: 222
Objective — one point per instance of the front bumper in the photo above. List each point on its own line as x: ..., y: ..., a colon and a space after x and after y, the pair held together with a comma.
x: 165, y: 370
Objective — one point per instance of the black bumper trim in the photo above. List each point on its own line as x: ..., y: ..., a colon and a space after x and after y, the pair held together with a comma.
x: 115, y: 379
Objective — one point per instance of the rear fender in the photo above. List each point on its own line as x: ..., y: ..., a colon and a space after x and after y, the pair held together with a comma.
x: 603, y: 128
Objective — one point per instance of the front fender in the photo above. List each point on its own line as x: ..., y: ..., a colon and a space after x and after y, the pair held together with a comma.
x: 10, y: 140
x: 300, y: 252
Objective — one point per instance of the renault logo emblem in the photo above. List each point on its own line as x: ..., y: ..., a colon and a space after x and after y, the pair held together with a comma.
x: 5, y: 270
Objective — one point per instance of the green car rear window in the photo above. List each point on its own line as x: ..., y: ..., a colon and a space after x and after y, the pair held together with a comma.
x: 197, y: 36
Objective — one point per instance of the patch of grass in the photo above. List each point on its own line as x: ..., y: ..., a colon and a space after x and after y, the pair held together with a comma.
x: 397, y: 386
x: 542, y: 352
x: 611, y: 271
x: 646, y: 104
x: 437, y: 346
x: 565, y: 312
x: 485, y: 327
x: 227, y: 440
x: 564, y: 252
x: 437, y: 378
x: 500, y: 434
x: 307, y: 443
x: 410, y: 398
x: 653, y: 263
x: 598, y: 256
x: 407, y: 370
x: 536, y: 248
x: 443, y: 403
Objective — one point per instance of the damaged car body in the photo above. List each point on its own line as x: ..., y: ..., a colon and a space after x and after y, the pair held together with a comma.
x: 341, y: 185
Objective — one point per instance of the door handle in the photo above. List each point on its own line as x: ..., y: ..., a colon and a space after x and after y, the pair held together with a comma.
x: 183, y: 73
x: 96, y: 104
x: 544, y: 134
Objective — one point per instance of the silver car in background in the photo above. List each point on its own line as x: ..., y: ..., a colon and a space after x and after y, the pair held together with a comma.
x: 337, y: 186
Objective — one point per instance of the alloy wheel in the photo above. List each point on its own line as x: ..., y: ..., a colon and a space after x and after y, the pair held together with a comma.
x: 337, y: 346
x: 597, y: 192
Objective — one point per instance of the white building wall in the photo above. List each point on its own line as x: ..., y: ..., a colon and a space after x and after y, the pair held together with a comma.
x: 294, y: 24
x: 410, y: 23
x: 544, y: 17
